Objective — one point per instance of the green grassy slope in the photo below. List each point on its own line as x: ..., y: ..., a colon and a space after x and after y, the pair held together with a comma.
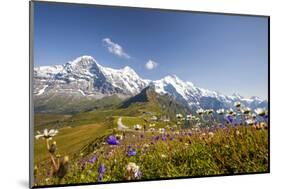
x: 61, y: 104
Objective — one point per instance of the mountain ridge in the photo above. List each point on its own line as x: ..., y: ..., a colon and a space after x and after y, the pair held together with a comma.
x: 85, y: 77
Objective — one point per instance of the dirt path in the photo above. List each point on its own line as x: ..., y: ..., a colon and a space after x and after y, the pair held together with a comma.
x: 121, y: 126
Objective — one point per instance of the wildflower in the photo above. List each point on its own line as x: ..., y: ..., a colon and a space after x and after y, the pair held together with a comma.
x: 64, y: 164
x: 93, y: 159
x: 246, y: 111
x: 133, y: 171
x: 230, y: 111
x: 237, y: 104
x: 211, y: 134
x: 100, y: 177
x: 260, y: 111
x: 263, y: 125
x: 200, y: 111
x: 209, y: 111
x: 152, y: 125
x: 161, y: 130
x: 250, y: 122
x: 156, y: 138
x: 189, y: 117
x: 163, y: 156
x: 101, y: 172
x: 53, y: 147
x: 229, y: 118
x: 146, y: 145
x: 220, y: 111
x: 254, y: 116
x: 111, y: 140
x: 131, y: 152
x: 46, y: 134
x: 137, y: 127
x: 102, y: 169
x: 237, y: 132
x: 179, y: 116
x: 153, y: 118
x: 119, y: 137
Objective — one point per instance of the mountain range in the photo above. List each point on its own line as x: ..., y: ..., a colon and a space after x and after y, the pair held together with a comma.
x: 85, y: 78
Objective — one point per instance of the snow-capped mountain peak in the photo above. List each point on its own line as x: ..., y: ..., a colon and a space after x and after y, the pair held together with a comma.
x: 86, y: 78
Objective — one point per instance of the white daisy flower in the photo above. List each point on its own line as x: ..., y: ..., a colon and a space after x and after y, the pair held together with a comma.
x: 179, y: 115
x: 246, y: 111
x: 200, y: 111
x: 189, y: 117
x: 137, y: 127
x: 47, y: 134
x: 133, y: 168
x: 161, y: 130
x: 230, y: 111
x: 250, y: 122
x: 254, y: 116
x: 260, y: 111
x: 237, y: 104
x: 220, y: 111
x: 209, y: 111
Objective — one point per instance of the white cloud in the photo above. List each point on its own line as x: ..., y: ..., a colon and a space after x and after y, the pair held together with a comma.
x: 115, y: 48
x: 150, y: 65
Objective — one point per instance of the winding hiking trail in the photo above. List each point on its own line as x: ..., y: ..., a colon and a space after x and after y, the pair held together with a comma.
x: 121, y: 126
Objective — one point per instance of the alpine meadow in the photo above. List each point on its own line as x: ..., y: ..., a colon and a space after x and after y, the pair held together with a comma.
x: 124, y: 94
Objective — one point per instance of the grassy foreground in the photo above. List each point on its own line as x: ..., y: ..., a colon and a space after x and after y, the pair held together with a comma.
x: 174, y: 153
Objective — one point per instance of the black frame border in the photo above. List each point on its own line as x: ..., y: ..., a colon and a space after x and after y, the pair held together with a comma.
x: 31, y: 111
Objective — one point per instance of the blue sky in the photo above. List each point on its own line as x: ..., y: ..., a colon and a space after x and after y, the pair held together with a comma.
x: 217, y: 52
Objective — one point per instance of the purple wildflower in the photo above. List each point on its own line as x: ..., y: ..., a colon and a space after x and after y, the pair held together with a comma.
x: 102, y: 169
x: 111, y: 140
x: 131, y: 152
x: 229, y: 119
x: 100, y: 178
x: 93, y: 159
x: 138, y: 174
